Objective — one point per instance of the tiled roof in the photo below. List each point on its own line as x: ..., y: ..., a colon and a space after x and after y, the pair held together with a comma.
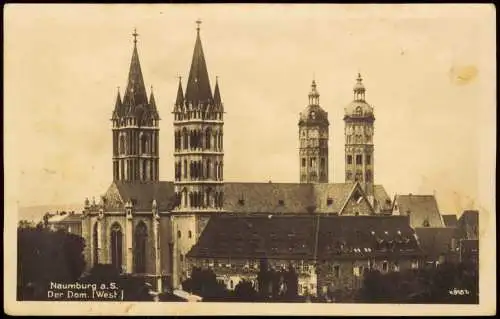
x: 141, y: 194
x: 233, y: 236
x: 422, y: 208
x: 294, y: 237
x: 265, y: 197
x: 296, y: 197
x: 450, y: 220
x: 382, y: 197
x: 251, y: 198
x: 436, y: 241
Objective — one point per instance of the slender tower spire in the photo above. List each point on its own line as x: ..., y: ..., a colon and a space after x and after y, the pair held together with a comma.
x: 135, y: 129
x: 359, y: 148
x: 198, y: 158
x: 313, y: 139
x: 198, y: 85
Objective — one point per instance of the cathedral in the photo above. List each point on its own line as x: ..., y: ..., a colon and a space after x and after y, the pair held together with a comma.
x: 147, y: 227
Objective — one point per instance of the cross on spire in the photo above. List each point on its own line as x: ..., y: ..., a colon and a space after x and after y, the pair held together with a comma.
x: 135, y: 35
x: 198, y: 22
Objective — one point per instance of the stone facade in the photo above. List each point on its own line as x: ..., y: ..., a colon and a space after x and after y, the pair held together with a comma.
x: 359, y: 147
x: 313, y: 139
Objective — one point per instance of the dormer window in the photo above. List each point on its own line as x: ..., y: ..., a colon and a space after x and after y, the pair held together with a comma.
x: 359, y: 111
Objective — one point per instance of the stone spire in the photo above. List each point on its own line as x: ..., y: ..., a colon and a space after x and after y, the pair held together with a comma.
x: 135, y: 94
x: 217, y: 98
x: 180, y: 94
x: 118, y: 105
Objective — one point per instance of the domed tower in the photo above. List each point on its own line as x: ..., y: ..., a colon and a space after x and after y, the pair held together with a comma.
x: 313, y: 138
x: 358, y: 133
x: 135, y: 129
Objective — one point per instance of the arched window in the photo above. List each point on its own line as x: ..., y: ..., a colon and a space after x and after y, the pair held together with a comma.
x: 186, y: 138
x: 207, y: 171
x: 116, y: 246
x: 95, y: 243
x: 359, y: 111
x: 184, y: 195
x: 208, y: 197
x: 122, y: 144
x: 207, y: 138
x: 140, y: 238
x: 145, y: 144
x: 191, y: 199
x: 179, y: 234
x: 216, y: 141
x: 190, y: 234
x: 185, y: 168
x: 216, y: 170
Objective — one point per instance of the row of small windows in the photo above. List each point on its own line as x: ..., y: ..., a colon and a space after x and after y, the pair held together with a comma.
x: 198, y: 139
x: 358, y: 176
x: 200, y: 199
x: 199, y: 170
x: 146, y: 145
x: 180, y: 116
x: 359, y: 159
x: 358, y: 139
x: 312, y: 162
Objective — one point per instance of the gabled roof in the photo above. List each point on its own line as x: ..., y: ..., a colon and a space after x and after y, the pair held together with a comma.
x: 422, y: 209
x: 436, y: 241
x: 294, y: 237
x: 141, y: 194
x: 382, y: 197
x: 450, y: 220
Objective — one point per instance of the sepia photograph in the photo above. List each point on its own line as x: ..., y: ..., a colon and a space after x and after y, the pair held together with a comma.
x: 273, y: 159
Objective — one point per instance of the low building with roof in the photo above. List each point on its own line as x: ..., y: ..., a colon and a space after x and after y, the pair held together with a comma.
x: 70, y: 222
x: 327, y: 252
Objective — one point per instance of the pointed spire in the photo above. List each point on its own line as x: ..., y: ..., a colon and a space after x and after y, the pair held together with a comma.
x: 118, y: 105
x: 180, y: 94
x: 217, y: 99
x: 359, y: 88
x: 152, y: 105
x: 198, y: 86
x: 135, y: 94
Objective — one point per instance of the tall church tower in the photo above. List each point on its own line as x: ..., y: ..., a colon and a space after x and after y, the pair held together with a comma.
x: 135, y: 129
x: 313, y: 138
x: 359, y: 161
x: 199, y: 158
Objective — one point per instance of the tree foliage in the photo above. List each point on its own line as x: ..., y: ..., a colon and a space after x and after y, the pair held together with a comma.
x: 428, y: 285
x: 44, y: 256
x: 203, y: 282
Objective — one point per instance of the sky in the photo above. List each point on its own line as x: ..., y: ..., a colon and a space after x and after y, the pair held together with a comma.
x: 429, y: 71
